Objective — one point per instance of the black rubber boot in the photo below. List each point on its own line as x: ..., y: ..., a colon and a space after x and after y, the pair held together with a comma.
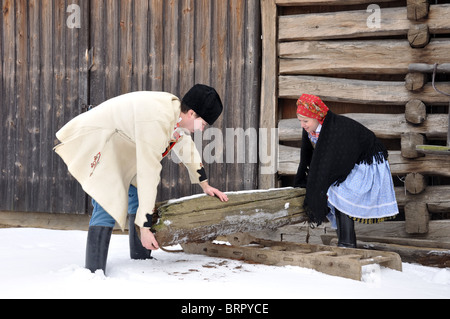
x: 97, y: 248
x: 137, y: 251
x: 345, y: 230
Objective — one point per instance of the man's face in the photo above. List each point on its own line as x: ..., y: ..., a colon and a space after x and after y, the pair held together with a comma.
x: 191, y: 122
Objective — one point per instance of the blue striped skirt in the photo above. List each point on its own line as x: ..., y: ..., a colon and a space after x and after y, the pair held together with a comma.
x: 367, y: 195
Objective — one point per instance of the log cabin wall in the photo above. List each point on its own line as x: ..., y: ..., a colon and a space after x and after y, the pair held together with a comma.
x: 356, y: 55
x: 57, y: 56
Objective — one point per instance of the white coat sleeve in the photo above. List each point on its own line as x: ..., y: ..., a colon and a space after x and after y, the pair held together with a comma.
x: 151, y: 142
x: 187, y: 152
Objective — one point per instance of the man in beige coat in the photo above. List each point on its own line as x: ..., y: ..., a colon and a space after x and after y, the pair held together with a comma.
x: 115, y: 151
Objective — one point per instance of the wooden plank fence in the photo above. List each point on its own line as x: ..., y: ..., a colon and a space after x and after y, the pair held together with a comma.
x: 58, y: 56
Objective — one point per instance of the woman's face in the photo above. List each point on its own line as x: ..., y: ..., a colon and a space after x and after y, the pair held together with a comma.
x: 308, y: 124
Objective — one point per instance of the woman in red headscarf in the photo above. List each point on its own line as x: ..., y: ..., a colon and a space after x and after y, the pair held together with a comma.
x: 345, y: 170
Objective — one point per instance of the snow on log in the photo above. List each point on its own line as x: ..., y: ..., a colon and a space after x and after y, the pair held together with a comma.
x: 204, y: 218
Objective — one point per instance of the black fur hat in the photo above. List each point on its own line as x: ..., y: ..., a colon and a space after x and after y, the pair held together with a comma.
x: 205, y: 101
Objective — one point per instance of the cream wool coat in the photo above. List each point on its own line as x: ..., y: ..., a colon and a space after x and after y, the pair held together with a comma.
x: 121, y: 143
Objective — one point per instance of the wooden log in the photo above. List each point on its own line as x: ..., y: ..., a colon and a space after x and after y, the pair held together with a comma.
x: 417, y: 218
x: 353, y: 24
x: 436, y: 165
x: 419, y: 36
x: 439, y: 230
x: 204, y: 218
x: 386, y: 126
x: 436, y: 197
x: 357, y: 56
x: 416, y: 112
x: 358, y: 91
x: 415, y: 183
x: 415, y: 81
x: 409, y: 141
x: 324, y: 2
x: 417, y: 9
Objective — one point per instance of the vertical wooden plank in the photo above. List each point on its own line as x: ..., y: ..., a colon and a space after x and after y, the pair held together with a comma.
x: 269, y: 107
x: 169, y: 177
x: 156, y: 47
x: 112, y: 45
x: 56, y: 199
x: 252, y: 83
x: 219, y: 80
x: 97, y: 32
x: 34, y: 173
x: 126, y: 46
x: 235, y: 114
x: 186, y: 76
x: 8, y: 100
x: 140, y: 40
x: 46, y: 100
x: 71, y: 195
x: 22, y: 138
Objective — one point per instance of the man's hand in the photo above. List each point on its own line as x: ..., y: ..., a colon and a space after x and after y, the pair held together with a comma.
x: 148, y: 239
x: 211, y: 191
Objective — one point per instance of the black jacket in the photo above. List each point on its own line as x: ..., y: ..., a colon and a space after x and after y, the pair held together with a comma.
x: 342, y: 144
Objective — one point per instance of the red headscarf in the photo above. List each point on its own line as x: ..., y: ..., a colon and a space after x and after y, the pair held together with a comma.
x: 312, y: 106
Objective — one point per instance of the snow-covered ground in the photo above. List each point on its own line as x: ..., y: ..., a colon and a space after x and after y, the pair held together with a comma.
x: 37, y: 263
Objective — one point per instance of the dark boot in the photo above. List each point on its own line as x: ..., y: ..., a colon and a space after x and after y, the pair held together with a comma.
x: 97, y: 247
x: 137, y: 251
x: 345, y: 230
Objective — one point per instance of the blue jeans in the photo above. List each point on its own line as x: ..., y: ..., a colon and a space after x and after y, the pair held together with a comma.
x: 100, y: 217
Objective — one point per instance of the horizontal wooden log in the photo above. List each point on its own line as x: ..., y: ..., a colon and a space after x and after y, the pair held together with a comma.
x: 436, y: 165
x: 349, y: 57
x: 353, y: 24
x: 324, y: 2
x: 385, y: 126
x: 204, y: 218
x: 438, y: 230
x: 437, y: 198
x: 359, y: 91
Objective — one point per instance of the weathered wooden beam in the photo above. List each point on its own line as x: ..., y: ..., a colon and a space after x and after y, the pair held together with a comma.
x: 386, y: 126
x: 353, y: 24
x: 417, y: 9
x: 269, y: 101
x: 323, y: 2
x: 358, y: 91
x: 436, y: 165
x: 439, y: 230
x: 357, y: 56
x: 205, y: 218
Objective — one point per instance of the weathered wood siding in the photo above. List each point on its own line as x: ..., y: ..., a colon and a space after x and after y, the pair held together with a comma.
x: 51, y: 68
x: 356, y: 56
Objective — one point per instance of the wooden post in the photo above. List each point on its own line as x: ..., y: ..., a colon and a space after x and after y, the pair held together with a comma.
x: 415, y: 183
x: 417, y: 9
x: 419, y: 35
x: 415, y: 81
x: 409, y: 142
x: 269, y: 89
x: 416, y: 112
x: 417, y: 218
